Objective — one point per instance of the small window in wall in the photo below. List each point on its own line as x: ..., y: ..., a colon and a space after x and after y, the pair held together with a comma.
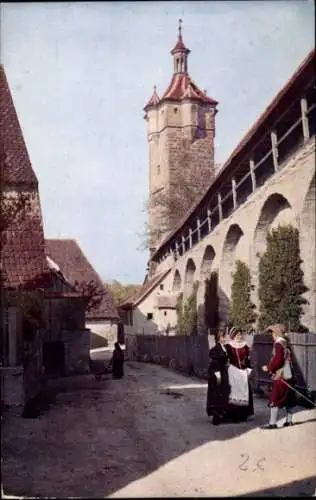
x: 175, y: 110
x: 161, y: 286
x: 165, y: 313
x: 150, y: 316
x: 158, y: 169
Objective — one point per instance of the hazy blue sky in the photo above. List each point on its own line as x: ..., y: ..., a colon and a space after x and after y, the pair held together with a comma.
x: 80, y: 74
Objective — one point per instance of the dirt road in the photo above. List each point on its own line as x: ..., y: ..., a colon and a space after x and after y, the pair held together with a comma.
x: 148, y: 435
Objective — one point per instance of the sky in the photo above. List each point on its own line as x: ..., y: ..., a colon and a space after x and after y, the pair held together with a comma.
x: 80, y: 74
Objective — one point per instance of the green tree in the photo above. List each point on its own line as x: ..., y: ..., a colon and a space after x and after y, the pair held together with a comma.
x: 120, y: 292
x: 179, y: 311
x: 187, y: 313
x: 281, y: 282
x: 241, y: 309
x: 211, y: 301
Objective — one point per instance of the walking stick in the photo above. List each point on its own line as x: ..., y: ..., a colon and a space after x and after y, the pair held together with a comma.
x: 298, y: 392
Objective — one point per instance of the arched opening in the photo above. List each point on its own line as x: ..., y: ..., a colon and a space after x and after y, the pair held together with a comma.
x: 205, y: 272
x: 232, y: 241
x: 276, y: 210
x: 189, y: 276
x: 176, y: 286
x: 307, y: 249
x: 207, y: 260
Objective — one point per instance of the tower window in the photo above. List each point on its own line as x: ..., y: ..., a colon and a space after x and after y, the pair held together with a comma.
x: 158, y: 169
x: 175, y: 110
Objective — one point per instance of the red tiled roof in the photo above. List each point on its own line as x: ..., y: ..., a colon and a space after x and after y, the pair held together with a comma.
x: 74, y: 265
x: 145, y: 290
x: 180, y: 47
x: 255, y: 129
x: 18, y: 168
x: 182, y: 87
x: 154, y: 100
x: 23, y: 259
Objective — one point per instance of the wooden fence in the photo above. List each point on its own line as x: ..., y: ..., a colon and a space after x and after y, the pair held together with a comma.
x: 190, y: 355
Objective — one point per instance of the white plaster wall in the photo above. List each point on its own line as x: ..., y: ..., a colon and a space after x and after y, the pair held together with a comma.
x: 293, y: 182
x: 103, y: 333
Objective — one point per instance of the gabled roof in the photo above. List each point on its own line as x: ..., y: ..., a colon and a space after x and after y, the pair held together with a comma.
x: 307, y: 67
x: 75, y: 266
x: 144, y: 291
x: 18, y: 168
x: 23, y: 260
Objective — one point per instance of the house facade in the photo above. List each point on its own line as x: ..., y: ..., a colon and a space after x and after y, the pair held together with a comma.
x: 103, y: 319
x: 33, y: 295
x: 269, y: 179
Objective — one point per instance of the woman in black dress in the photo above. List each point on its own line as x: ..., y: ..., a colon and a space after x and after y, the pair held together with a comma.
x: 117, y: 361
x: 218, y: 385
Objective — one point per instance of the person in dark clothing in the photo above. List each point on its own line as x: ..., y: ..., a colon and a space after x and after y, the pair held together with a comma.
x: 117, y: 362
x: 218, y: 385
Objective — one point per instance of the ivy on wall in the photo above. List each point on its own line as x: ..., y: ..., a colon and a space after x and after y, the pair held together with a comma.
x: 281, y: 282
x: 241, y: 310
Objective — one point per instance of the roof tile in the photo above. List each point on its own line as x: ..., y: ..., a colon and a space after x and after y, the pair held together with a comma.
x: 75, y: 266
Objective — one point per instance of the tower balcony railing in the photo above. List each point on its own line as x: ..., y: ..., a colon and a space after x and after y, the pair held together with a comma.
x: 289, y: 133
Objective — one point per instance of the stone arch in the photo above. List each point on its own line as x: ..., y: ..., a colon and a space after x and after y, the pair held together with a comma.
x: 231, y: 242
x: 275, y: 210
x: 176, y: 285
x: 206, y: 263
x: 205, y: 271
x: 189, y: 276
x: 307, y: 248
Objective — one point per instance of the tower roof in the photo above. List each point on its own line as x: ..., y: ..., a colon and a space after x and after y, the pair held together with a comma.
x: 154, y: 100
x: 179, y: 46
x: 182, y: 87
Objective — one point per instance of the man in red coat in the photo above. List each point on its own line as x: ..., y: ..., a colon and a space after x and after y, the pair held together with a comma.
x: 280, y: 367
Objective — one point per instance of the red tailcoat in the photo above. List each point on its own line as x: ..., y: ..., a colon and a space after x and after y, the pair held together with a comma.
x: 281, y: 395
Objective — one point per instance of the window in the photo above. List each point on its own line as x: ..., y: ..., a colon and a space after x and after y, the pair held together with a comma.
x: 158, y: 169
x: 165, y: 313
x: 161, y: 286
x: 150, y: 316
x: 175, y: 110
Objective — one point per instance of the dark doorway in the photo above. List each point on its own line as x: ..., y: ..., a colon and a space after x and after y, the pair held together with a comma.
x: 54, y: 358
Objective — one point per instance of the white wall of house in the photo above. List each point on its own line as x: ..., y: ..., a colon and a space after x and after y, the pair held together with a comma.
x: 143, y: 323
x: 103, y: 333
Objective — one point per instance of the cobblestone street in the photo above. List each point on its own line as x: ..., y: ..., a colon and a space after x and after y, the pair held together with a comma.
x: 148, y: 435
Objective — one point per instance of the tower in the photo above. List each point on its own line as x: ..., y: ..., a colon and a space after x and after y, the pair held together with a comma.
x: 180, y: 132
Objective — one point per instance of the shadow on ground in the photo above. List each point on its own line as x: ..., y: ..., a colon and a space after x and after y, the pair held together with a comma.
x: 99, y: 436
x: 303, y: 488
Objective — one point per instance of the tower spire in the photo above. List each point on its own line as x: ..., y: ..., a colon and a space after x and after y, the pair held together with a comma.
x: 180, y: 29
x: 180, y: 53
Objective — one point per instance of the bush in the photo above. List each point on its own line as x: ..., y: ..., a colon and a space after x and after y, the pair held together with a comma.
x: 187, y: 313
x: 281, y: 282
x: 241, y: 309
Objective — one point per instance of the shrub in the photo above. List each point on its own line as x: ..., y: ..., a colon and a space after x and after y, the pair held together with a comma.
x: 281, y: 282
x: 241, y: 309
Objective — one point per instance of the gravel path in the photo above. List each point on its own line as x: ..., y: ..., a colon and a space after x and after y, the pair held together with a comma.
x: 148, y: 435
